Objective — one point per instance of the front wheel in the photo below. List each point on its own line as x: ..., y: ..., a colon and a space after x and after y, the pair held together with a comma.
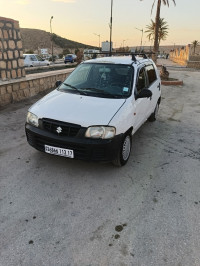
x: 124, y: 152
x: 154, y: 115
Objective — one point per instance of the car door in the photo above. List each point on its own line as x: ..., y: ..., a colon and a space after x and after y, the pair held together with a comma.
x: 141, y: 105
x: 153, y: 85
x: 33, y: 60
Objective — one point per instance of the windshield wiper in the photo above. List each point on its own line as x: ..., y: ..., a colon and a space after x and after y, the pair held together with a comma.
x: 66, y: 84
x: 91, y: 89
x: 101, y: 92
x: 97, y: 90
x: 74, y: 88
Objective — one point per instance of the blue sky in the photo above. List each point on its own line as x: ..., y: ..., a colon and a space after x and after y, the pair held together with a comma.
x: 78, y: 20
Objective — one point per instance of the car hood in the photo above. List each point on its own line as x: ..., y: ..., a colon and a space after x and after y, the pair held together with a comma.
x: 77, y: 109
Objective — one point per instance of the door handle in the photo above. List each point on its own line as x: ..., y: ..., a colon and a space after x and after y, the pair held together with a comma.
x: 158, y: 86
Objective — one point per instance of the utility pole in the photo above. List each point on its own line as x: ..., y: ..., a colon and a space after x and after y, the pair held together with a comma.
x: 111, y: 29
x: 141, y: 38
x: 51, y: 39
x: 99, y: 39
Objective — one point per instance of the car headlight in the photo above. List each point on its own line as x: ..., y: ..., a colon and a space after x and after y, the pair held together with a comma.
x: 32, y: 119
x: 100, y: 132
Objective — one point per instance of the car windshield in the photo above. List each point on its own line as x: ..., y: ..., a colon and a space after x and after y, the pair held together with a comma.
x: 100, y: 80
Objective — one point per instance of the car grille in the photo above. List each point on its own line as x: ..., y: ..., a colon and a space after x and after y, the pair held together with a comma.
x: 60, y: 128
x: 39, y: 142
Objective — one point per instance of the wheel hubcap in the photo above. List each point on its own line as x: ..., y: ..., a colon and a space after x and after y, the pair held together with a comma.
x: 126, y: 148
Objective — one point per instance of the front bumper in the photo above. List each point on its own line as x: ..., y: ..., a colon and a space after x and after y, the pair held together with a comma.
x: 104, y: 150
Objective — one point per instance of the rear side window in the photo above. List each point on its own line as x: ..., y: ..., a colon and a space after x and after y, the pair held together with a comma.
x: 151, y: 73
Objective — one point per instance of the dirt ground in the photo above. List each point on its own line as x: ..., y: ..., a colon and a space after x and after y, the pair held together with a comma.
x: 57, y: 211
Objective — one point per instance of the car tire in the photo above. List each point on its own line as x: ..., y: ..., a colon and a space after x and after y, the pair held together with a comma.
x: 154, y: 115
x: 124, y: 152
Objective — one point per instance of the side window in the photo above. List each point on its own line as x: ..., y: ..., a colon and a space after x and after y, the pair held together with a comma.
x: 33, y: 58
x: 39, y: 58
x: 151, y: 74
x: 141, y: 81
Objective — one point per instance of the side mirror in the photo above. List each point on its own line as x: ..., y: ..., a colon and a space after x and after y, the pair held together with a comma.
x: 145, y: 93
x: 58, y: 82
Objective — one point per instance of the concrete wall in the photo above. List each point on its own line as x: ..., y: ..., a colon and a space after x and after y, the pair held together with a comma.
x: 11, y: 52
x: 20, y: 89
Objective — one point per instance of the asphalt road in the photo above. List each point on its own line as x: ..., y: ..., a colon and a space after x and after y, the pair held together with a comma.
x: 57, y: 211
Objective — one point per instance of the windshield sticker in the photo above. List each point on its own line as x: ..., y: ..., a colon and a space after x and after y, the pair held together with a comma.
x: 125, y: 89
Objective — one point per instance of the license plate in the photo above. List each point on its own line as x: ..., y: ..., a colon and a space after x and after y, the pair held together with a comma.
x: 59, y: 151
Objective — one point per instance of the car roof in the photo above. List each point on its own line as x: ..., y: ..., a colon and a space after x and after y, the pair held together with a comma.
x: 125, y: 60
x: 30, y: 54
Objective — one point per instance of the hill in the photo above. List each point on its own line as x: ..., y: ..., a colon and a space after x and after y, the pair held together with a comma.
x: 34, y: 39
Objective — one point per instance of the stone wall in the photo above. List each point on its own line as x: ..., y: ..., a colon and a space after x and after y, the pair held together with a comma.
x: 186, y: 57
x: 11, y: 52
x: 20, y: 89
x: 180, y: 56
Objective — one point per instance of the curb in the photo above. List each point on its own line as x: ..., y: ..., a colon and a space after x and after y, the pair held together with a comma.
x: 172, y: 82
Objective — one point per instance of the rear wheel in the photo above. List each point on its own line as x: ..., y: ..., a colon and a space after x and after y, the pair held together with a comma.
x: 124, y: 152
x: 154, y: 115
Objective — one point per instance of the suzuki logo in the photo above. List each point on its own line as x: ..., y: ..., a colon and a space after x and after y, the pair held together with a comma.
x: 59, y: 130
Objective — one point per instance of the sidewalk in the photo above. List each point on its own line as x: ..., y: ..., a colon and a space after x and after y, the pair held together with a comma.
x: 168, y: 63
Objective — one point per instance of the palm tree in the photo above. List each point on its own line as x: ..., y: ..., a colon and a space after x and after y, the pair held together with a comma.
x: 162, y: 32
x: 195, y: 43
x: 156, y: 44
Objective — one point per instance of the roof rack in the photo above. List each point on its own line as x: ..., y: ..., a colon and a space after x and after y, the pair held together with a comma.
x: 144, y: 55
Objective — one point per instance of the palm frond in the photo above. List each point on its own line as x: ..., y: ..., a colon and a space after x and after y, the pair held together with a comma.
x: 153, y: 6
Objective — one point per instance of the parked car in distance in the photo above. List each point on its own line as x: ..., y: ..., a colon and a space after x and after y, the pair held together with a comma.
x: 95, y: 112
x: 31, y: 60
x: 70, y: 58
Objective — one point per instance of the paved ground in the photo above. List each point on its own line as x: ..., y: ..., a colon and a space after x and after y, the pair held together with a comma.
x: 55, y: 211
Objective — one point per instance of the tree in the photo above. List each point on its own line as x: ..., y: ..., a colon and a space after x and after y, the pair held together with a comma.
x: 29, y: 52
x: 156, y: 43
x: 195, y: 44
x: 162, y: 30
x: 66, y: 51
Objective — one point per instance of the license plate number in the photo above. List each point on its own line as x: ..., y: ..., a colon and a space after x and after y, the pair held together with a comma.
x: 59, y: 151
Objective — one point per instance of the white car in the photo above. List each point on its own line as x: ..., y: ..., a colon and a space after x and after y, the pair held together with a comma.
x: 31, y: 60
x: 93, y: 114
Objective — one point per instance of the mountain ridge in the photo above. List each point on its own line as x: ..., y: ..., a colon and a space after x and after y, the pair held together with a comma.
x: 35, y: 39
